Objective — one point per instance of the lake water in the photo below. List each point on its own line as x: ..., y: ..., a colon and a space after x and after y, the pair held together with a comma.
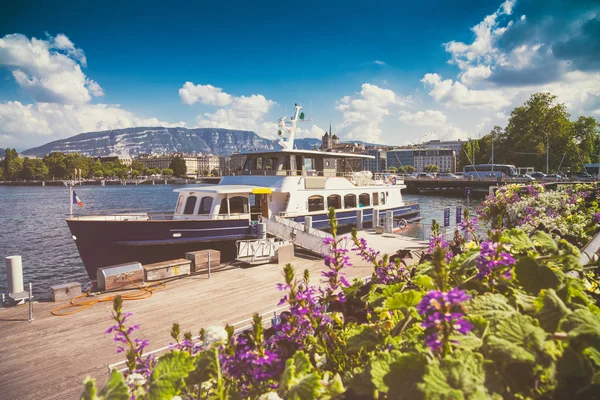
x: 32, y: 224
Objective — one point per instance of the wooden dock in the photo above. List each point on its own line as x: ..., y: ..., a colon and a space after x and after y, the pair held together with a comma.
x: 49, y: 357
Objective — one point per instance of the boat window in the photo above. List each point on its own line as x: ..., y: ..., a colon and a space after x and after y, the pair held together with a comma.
x: 179, y: 205
x: 190, y: 204
x: 271, y: 163
x: 239, y: 205
x: 259, y: 163
x: 224, y: 209
x: 350, y: 201
x: 334, y: 201
x: 375, y: 199
x: 309, y: 164
x: 205, y: 205
x: 316, y: 203
x: 249, y: 166
x: 382, y: 198
x: 364, y: 200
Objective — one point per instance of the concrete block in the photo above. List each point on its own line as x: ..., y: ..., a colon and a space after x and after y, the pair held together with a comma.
x: 167, y: 269
x: 65, y: 291
x: 285, y: 254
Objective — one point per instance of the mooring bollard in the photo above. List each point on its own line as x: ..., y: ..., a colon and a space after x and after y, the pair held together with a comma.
x: 14, y: 274
x: 307, y: 223
x: 359, y: 219
x: 375, y: 218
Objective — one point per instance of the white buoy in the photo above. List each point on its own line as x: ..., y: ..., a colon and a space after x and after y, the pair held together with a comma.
x: 14, y: 274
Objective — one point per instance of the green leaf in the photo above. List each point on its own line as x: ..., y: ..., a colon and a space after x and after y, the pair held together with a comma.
x: 424, y: 281
x: 550, y: 309
x: 308, y: 387
x: 397, y: 374
x: 458, y: 376
x: 115, y: 388
x: 593, y: 354
x: 574, y: 372
x: 403, y: 300
x: 493, y: 307
x: 168, y: 375
x: 519, y: 240
x: 89, y: 389
x: 295, y: 368
x: 534, y: 277
x: 504, y: 351
x: 363, y: 337
x: 521, y: 330
x: 205, y: 368
x: 545, y: 242
x: 468, y: 341
x: 584, y: 325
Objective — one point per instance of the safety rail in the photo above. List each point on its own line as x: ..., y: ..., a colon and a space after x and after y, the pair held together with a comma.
x: 256, y: 249
x: 300, y: 226
x: 295, y: 233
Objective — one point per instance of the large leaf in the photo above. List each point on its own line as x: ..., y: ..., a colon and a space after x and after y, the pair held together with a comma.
x: 519, y: 240
x: 307, y: 387
x: 522, y: 331
x: 363, y: 337
x: 534, y: 277
x: 492, y: 307
x: 550, y: 309
x: 504, y: 351
x: 583, y: 325
x: 545, y: 242
x: 115, y: 388
x: 168, y: 375
x: 89, y: 389
x: 458, y: 376
x: 575, y: 372
x: 397, y: 374
x: 205, y: 368
x: 403, y: 300
x: 295, y: 368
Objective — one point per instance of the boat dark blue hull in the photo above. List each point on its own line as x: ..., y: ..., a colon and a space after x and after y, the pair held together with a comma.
x: 104, y: 242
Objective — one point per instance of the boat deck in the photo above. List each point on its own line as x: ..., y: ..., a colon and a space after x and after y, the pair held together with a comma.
x: 49, y: 357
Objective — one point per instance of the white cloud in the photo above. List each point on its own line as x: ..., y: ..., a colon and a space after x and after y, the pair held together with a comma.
x: 475, y: 74
x: 205, y: 94
x: 424, y: 118
x: 32, y: 124
x: 378, y: 62
x: 363, y: 114
x: 236, y: 112
x: 457, y: 95
x: 49, y: 70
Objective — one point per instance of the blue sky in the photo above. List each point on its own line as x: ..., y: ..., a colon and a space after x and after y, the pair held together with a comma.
x: 379, y: 71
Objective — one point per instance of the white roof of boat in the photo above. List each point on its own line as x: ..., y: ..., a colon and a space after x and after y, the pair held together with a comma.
x: 321, y: 153
x: 222, y: 189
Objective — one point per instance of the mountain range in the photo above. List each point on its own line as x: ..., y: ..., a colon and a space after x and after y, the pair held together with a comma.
x: 131, y: 142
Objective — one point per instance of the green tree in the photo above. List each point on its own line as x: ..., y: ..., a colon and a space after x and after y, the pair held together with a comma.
x: 431, y: 168
x: 34, y: 169
x: 540, y: 120
x: 586, y: 131
x: 12, y: 165
x: 56, y: 164
x: 406, y: 169
x: 167, y: 172
x: 178, y: 166
x: 98, y: 173
x: 393, y: 169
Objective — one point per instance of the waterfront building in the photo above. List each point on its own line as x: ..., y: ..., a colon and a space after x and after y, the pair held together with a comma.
x: 207, y: 163
x: 164, y: 162
x: 400, y: 158
x: 377, y: 164
x: 445, y: 159
x: 455, y: 145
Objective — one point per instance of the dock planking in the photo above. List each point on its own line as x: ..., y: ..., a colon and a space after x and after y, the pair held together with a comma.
x: 50, y: 357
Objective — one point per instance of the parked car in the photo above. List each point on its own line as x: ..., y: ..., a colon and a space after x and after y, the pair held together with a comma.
x: 528, y: 178
x: 448, y: 175
x: 421, y: 175
x: 552, y: 177
x: 583, y: 176
x: 537, y: 175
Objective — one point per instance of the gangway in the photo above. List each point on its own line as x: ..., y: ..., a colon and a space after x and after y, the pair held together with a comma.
x: 303, y: 236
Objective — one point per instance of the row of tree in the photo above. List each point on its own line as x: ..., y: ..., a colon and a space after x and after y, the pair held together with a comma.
x: 59, y: 166
x: 541, y: 123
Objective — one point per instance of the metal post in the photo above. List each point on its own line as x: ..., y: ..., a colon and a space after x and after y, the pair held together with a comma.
x: 30, y: 303
x: 71, y: 200
x: 359, y: 219
x: 209, y: 265
x: 375, y: 222
x: 547, y: 152
x: 492, y: 153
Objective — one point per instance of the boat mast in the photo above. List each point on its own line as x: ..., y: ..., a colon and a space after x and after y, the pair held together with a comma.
x: 291, y: 129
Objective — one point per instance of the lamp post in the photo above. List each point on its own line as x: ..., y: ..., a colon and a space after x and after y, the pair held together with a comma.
x: 547, y: 151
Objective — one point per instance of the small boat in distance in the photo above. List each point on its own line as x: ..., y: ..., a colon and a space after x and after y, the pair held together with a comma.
x: 287, y: 183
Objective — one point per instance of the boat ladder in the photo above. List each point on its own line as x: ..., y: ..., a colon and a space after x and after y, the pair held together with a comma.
x: 308, y: 238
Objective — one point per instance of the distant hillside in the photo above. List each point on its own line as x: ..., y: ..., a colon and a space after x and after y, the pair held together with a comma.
x: 158, y: 140
x: 306, y: 143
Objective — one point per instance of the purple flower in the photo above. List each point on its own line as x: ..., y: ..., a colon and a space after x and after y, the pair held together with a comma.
x: 438, y: 241
x: 597, y: 218
x: 494, y: 262
x: 443, y: 315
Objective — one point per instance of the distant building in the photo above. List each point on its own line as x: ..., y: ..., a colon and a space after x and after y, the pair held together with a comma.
x: 455, y: 145
x: 377, y: 164
x: 164, y: 162
x: 400, y: 158
x: 207, y: 163
x: 236, y: 164
x: 445, y: 159
x: 331, y: 142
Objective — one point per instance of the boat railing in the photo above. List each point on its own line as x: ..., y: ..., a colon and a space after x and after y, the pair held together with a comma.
x: 354, y: 177
x: 300, y: 226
